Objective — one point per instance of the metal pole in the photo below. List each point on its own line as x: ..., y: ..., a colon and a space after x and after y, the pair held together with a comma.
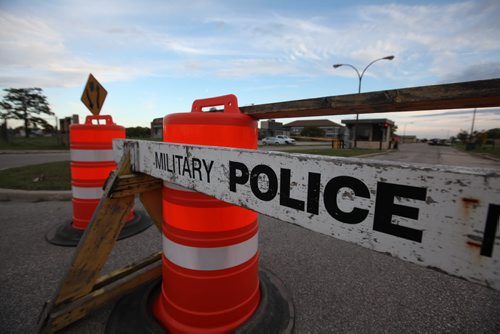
x: 472, y: 126
x: 360, y: 77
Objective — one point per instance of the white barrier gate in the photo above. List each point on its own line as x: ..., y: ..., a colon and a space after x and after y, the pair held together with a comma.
x: 436, y: 216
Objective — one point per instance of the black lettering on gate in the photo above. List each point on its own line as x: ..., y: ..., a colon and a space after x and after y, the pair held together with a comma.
x: 313, y: 188
x: 285, y: 198
x: 385, y: 209
x: 235, y: 179
x: 332, y: 188
x: 490, y: 230
x: 272, y: 189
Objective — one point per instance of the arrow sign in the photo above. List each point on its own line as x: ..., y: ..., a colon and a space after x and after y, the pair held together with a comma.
x: 94, y: 95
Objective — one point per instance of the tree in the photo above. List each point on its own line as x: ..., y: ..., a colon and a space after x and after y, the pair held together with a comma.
x: 138, y: 132
x: 493, y: 133
x: 394, y: 128
x: 26, y: 104
x: 312, y: 131
x: 463, y: 136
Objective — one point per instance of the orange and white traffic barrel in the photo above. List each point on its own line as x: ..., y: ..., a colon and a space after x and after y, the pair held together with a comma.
x: 91, y: 163
x: 210, y: 248
x: 211, y: 282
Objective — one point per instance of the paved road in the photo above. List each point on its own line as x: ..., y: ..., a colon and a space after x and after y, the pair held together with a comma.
x: 437, y: 155
x: 18, y: 159
x: 336, y: 286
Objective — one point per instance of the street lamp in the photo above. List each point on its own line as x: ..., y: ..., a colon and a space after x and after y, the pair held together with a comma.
x: 360, y: 77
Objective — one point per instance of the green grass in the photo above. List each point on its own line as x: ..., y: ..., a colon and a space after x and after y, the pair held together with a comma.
x: 48, y: 176
x: 35, y: 143
x: 335, y: 153
x: 486, y: 149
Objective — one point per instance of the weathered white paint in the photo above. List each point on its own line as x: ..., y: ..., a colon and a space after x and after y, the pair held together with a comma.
x: 87, y: 192
x: 210, y: 258
x: 92, y: 155
x: 451, y: 218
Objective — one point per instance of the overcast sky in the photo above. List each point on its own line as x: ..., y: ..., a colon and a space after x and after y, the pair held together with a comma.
x: 156, y: 57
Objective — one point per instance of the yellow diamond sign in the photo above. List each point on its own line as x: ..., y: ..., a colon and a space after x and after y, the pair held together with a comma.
x: 94, y: 95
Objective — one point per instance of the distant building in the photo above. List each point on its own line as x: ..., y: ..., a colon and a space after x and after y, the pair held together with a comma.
x: 408, y: 139
x: 370, y: 133
x: 331, y: 129
x: 272, y: 128
x: 157, y: 128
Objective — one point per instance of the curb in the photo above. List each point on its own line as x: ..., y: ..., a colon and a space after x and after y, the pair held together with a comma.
x: 34, y: 195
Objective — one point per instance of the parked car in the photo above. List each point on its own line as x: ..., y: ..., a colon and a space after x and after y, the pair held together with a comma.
x: 439, y: 142
x: 273, y: 141
x: 288, y: 140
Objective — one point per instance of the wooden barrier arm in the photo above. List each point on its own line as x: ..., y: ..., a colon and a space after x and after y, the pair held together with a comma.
x: 471, y: 94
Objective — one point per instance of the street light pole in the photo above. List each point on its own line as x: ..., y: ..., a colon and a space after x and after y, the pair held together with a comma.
x: 360, y: 78
x: 472, y: 126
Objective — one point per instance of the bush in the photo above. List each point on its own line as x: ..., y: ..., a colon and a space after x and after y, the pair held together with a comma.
x: 312, y: 131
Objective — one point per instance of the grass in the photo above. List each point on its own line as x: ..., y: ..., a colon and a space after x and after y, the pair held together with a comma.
x: 34, y: 143
x: 483, y: 150
x: 48, y: 176
x: 335, y: 153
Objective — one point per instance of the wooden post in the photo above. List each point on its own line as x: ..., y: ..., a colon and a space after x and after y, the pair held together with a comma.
x: 81, y: 290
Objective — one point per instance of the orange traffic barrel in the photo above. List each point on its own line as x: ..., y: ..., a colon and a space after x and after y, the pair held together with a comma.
x: 91, y: 163
x: 210, y: 248
x: 211, y: 282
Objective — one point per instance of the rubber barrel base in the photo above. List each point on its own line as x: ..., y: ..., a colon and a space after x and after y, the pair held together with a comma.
x: 68, y: 236
x: 133, y: 314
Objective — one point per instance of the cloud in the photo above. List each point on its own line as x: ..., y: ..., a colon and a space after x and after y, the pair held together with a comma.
x: 487, y: 70
x: 122, y: 40
x: 35, y: 54
x: 253, y: 67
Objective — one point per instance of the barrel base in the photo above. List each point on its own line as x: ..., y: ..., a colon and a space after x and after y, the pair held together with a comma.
x: 275, y: 314
x: 66, y: 235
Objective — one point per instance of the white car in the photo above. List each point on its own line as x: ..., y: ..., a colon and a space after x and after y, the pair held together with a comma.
x: 273, y: 141
x: 288, y: 140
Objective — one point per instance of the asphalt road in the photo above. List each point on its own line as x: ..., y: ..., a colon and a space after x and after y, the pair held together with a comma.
x: 24, y: 158
x: 336, y: 286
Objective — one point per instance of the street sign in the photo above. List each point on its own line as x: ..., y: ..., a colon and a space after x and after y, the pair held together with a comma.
x: 94, y: 95
x: 440, y: 217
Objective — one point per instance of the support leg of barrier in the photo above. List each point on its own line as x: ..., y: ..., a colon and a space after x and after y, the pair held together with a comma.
x: 81, y: 290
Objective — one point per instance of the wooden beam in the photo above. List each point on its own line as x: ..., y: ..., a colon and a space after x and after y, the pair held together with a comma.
x: 152, y: 201
x: 471, y: 94
x: 132, y: 184
x: 67, y: 313
x: 81, y: 290
x: 98, y: 240
x: 120, y: 273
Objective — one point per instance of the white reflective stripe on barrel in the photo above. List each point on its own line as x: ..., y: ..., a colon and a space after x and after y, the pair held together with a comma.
x: 210, y: 258
x: 87, y: 193
x: 92, y: 155
x: 175, y: 186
